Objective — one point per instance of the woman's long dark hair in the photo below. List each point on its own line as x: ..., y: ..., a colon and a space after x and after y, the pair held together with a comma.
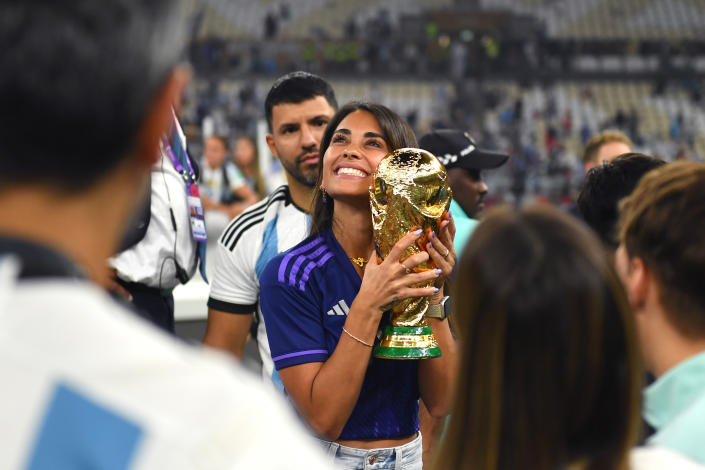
x: 549, y: 372
x: 397, y: 134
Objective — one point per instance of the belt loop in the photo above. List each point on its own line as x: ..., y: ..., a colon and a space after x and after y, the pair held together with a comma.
x: 399, y: 455
x: 332, y: 450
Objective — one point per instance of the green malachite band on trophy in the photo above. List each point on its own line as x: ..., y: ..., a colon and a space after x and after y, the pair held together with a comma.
x: 412, y: 342
x: 385, y: 352
x: 407, y: 330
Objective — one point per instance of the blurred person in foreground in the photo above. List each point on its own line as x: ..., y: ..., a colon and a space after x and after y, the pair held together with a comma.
x: 549, y: 375
x: 605, y: 146
x: 86, y: 384
x: 661, y: 261
x: 465, y: 163
x: 364, y: 408
x: 607, y: 184
x: 298, y: 107
x: 160, y: 249
x: 224, y: 190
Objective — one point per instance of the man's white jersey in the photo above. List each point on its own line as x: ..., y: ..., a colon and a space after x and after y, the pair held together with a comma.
x: 88, y: 384
x: 247, y: 244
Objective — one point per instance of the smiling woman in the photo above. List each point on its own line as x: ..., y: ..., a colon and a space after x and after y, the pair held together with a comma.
x: 323, y: 302
x: 355, y: 150
x: 380, y: 131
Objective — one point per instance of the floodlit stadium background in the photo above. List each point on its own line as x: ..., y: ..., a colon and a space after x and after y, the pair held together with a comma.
x: 533, y: 77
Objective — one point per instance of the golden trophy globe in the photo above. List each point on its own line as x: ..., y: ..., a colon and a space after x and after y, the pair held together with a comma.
x: 410, y: 192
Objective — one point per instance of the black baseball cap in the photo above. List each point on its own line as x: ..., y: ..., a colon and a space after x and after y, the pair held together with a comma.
x: 456, y: 149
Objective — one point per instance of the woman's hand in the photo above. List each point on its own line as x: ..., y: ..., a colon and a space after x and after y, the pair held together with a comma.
x: 387, y: 283
x: 440, y: 248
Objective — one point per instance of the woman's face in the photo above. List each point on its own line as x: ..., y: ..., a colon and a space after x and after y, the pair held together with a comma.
x: 214, y: 151
x: 244, y: 152
x: 355, y: 150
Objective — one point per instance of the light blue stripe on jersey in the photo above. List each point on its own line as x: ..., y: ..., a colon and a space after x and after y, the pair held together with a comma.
x: 270, y: 246
x: 277, y: 380
x: 78, y: 432
x: 270, y: 249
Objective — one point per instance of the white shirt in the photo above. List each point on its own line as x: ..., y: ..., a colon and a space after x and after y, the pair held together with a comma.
x: 257, y: 235
x: 660, y: 458
x: 151, y: 261
x: 88, y: 384
x: 212, y: 180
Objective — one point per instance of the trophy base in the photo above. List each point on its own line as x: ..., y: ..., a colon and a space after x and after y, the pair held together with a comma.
x: 407, y: 342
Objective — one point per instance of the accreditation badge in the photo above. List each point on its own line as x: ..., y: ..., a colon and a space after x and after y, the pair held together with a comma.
x: 195, y: 208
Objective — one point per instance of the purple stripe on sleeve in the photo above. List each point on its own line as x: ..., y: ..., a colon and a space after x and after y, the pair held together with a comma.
x: 287, y: 258
x: 295, y: 269
x: 300, y: 260
x: 307, y: 271
x: 300, y: 353
x: 318, y: 252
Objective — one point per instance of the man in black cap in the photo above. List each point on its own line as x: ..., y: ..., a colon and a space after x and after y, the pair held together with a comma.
x: 464, y: 162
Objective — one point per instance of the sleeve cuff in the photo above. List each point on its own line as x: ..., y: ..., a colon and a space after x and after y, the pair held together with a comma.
x: 228, y: 307
x: 300, y: 357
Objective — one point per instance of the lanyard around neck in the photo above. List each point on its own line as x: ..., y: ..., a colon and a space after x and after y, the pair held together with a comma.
x: 178, y: 158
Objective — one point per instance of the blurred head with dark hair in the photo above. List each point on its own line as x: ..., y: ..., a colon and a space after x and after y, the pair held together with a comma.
x: 87, y: 91
x: 78, y: 81
x: 549, y: 374
x: 607, y: 184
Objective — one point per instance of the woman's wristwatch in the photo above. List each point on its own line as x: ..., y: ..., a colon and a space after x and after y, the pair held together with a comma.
x: 440, y: 310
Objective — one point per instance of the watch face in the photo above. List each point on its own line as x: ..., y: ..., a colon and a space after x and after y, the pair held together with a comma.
x: 440, y: 310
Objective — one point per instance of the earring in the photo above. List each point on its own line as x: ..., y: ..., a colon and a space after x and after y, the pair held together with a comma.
x: 324, y: 196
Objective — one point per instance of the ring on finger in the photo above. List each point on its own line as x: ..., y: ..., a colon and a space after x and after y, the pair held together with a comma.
x: 447, y: 253
x: 407, y: 270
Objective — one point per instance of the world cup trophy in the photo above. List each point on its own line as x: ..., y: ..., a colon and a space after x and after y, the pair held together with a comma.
x: 410, y: 192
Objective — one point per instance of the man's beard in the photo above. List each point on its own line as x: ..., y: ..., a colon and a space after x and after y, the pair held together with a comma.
x: 306, y: 178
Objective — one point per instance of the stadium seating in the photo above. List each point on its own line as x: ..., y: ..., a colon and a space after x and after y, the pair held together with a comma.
x: 608, y: 19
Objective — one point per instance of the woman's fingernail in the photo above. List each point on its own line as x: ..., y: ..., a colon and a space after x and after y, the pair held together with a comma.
x: 450, y: 214
x: 430, y: 245
x: 439, y: 271
x: 433, y: 234
x: 418, y: 232
x: 435, y: 289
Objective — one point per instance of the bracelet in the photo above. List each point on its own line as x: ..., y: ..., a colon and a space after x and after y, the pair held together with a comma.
x: 356, y: 338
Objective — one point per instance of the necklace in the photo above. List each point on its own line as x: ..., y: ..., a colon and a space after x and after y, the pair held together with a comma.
x: 359, y: 261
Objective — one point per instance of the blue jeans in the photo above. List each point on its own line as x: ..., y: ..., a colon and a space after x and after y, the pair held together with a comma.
x: 404, y: 457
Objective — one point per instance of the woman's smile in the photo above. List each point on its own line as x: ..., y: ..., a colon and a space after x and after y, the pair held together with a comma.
x: 350, y: 172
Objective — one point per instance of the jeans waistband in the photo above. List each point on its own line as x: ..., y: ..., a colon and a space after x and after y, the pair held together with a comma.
x: 341, y: 452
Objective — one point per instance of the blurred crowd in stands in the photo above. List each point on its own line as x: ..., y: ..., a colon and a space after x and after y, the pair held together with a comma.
x: 543, y: 128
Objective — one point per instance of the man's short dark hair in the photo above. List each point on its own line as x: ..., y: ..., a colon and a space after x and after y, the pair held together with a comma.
x: 605, y: 185
x: 77, y: 80
x: 296, y: 87
x: 663, y: 223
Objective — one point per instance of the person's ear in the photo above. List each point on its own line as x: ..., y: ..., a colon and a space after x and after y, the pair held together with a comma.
x: 638, y: 283
x: 272, y: 148
x: 157, y: 120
